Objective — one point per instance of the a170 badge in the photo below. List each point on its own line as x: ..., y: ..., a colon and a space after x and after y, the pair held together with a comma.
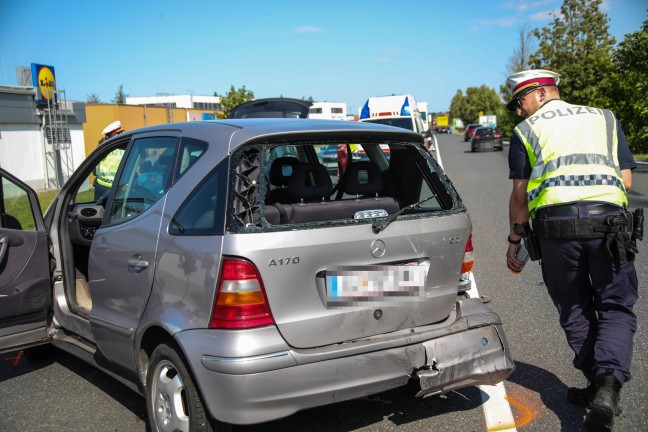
x: 283, y: 261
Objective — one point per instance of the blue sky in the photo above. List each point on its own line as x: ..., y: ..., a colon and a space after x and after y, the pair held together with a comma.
x: 336, y: 51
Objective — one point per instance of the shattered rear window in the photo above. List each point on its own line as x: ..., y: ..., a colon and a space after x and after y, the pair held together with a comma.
x: 305, y: 184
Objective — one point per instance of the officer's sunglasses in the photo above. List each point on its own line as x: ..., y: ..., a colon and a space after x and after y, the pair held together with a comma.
x: 518, y: 101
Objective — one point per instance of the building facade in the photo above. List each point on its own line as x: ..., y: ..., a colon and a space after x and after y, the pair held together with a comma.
x: 41, y: 144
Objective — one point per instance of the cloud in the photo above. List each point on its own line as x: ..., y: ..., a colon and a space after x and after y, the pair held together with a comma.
x: 500, y: 22
x: 525, y: 6
x: 308, y: 29
x: 546, y: 15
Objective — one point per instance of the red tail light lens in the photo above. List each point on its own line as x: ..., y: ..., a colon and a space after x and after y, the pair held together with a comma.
x: 241, y: 300
x: 469, y: 257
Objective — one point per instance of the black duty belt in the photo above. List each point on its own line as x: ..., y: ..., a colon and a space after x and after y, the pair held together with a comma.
x: 570, y: 228
x: 571, y: 210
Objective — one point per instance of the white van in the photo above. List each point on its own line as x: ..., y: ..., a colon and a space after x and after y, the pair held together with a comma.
x: 328, y: 111
x: 400, y: 111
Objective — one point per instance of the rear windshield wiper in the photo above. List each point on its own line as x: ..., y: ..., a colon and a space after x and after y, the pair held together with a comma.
x: 380, y: 225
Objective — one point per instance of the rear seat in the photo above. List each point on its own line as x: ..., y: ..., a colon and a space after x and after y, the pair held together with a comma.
x: 310, y: 187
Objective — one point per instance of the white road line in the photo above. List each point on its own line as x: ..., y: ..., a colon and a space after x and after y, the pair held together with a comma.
x: 437, y: 152
x: 497, y: 410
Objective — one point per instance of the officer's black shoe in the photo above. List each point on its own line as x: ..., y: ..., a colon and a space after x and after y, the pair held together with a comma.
x: 604, y: 405
x: 581, y: 397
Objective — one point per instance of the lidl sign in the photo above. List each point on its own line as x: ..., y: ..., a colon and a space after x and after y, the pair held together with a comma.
x: 44, y: 80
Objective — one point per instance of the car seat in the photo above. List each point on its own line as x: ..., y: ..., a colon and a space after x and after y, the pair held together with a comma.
x: 281, y: 170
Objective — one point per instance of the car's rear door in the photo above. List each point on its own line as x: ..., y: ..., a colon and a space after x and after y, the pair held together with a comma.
x: 25, y: 283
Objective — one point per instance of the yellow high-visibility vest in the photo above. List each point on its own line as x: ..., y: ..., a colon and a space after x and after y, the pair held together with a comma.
x: 573, y: 152
x: 107, y: 168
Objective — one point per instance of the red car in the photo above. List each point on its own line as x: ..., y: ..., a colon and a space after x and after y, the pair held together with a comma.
x: 470, y: 129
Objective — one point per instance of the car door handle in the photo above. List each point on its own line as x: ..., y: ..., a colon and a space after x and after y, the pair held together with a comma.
x: 136, y: 264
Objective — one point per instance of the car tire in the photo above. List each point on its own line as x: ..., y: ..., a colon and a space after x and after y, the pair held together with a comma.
x: 172, y: 399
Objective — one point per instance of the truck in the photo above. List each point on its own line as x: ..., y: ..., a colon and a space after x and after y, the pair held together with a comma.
x: 397, y: 110
x: 442, y: 123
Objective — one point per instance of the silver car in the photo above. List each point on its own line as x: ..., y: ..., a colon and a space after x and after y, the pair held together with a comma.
x: 230, y: 279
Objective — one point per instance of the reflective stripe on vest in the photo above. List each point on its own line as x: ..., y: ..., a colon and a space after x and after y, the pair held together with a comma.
x: 568, y: 146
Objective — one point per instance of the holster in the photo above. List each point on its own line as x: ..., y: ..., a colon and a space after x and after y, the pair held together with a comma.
x: 530, y: 240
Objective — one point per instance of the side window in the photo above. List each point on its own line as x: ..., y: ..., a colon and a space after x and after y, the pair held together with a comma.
x: 203, y: 212
x: 16, y: 208
x: 147, y: 175
x: 190, y: 151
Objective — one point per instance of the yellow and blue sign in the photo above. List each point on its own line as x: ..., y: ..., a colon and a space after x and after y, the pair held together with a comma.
x: 44, y: 79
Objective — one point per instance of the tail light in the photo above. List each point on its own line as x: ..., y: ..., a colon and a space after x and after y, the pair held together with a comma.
x: 469, y: 257
x: 476, y: 135
x: 241, y: 301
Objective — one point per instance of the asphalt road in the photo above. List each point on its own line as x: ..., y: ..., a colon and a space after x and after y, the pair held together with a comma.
x: 65, y: 394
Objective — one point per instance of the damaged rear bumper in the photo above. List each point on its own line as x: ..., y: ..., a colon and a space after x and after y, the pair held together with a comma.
x: 475, y: 357
x: 256, y: 385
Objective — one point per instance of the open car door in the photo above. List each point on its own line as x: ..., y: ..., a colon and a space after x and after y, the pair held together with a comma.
x: 25, y: 282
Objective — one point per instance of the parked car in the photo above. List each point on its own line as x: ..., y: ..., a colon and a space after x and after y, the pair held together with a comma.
x: 498, y: 135
x: 484, y: 138
x: 271, y: 108
x: 470, y: 129
x: 235, y: 283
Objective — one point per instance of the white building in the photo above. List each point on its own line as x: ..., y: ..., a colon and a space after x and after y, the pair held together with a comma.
x: 178, y: 101
x: 40, y: 144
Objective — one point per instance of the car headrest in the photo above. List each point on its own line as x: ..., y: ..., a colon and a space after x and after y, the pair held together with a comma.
x: 300, y: 187
x: 281, y: 170
x: 363, y: 178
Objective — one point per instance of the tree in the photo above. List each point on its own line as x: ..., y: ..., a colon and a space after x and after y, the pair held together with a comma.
x: 93, y: 98
x: 520, y: 60
x: 120, y: 96
x: 628, y: 88
x: 233, y: 98
x: 477, y: 99
x: 578, y: 46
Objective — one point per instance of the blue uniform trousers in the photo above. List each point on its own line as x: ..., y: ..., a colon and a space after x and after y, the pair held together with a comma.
x: 594, y: 296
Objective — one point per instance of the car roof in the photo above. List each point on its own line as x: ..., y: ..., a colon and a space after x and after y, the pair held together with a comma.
x: 237, y: 132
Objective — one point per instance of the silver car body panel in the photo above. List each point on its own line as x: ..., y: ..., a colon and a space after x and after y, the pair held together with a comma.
x: 312, y: 323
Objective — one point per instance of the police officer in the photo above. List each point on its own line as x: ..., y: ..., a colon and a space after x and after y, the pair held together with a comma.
x: 571, y: 168
x: 107, y: 168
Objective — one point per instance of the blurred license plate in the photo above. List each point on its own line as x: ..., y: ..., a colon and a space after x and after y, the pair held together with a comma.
x: 385, y: 285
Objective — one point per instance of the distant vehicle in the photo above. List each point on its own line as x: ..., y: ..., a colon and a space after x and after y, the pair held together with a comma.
x: 423, y: 111
x: 469, y: 131
x: 238, y: 282
x: 328, y: 111
x: 442, y: 124
x: 484, y: 139
x: 488, y: 120
x: 271, y: 108
x: 399, y: 111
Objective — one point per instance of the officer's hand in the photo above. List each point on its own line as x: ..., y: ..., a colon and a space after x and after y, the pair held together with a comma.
x: 514, y: 264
